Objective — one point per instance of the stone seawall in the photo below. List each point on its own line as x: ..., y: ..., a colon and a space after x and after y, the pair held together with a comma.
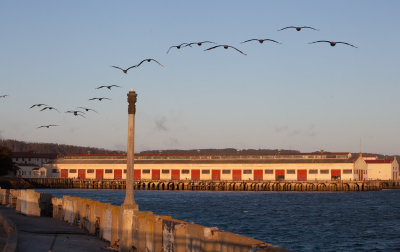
x: 201, y: 185
x: 150, y: 232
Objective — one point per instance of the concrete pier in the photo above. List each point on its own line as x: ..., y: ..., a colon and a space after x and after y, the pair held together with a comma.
x: 210, y: 185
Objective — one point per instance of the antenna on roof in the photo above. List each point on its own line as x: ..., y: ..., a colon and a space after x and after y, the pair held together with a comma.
x: 360, y: 148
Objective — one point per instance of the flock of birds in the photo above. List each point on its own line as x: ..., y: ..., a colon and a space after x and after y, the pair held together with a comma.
x: 81, y: 111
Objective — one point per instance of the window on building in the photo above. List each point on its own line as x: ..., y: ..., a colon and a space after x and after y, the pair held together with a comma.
x: 55, y: 171
x: 247, y: 171
x: 291, y: 171
x: 72, y: 171
x: 347, y: 171
x: 185, y: 171
x: 226, y: 171
x: 90, y: 170
x: 205, y: 171
x: 269, y: 171
x: 164, y: 171
x: 313, y: 171
x: 125, y: 171
x: 146, y: 171
x: 324, y: 171
x: 108, y: 171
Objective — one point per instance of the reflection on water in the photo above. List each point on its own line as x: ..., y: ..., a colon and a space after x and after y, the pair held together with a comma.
x: 296, y: 221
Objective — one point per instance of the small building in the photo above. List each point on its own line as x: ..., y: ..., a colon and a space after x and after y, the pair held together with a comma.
x: 227, y: 167
x: 30, y: 164
x: 383, y: 169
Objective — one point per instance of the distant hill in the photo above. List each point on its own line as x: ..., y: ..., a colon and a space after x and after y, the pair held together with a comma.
x: 61, y: 149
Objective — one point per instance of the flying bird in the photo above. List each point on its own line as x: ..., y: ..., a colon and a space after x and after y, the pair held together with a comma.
x: 225, y: 47
x: 260, y: 41
x: 100, y: 98
x: 49, y: 108
x: 199, y: 43
x: 87, y: 109
x: 298, y: 28
x: 177, y: 46
x: 47, y: 126
x: 38, y: 105
x: 109, y: 87
x: 4, y: 96
x: 332, y: 43
x: 125, y: 71
x: 148, y: 60
x: 76, y: 113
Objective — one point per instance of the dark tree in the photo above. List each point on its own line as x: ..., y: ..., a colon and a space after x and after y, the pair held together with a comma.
x: 6, y: 163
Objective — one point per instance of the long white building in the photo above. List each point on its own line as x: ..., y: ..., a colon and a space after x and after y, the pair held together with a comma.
x: 300, y: 167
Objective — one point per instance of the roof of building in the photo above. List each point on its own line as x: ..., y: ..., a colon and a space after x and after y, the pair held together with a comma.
x: 380, y: 161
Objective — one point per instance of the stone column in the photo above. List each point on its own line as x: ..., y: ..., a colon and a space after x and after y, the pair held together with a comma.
x: 129, y: 209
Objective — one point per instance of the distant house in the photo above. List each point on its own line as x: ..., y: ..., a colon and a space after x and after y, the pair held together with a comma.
x: 383, y: 169
x: 30, y: 164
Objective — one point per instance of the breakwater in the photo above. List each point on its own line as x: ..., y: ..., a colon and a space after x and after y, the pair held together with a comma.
x: 195, y: 185
x: 148, y: 232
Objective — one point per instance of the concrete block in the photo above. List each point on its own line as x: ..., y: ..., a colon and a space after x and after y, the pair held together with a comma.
x: 58, y: 212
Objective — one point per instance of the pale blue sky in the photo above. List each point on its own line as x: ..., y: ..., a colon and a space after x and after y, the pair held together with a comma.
x: 291, y: 96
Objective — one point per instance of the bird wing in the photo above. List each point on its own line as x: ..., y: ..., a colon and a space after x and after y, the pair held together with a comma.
x: 309, y: 27
x: 320, y: 41
x: 157, y: 62
x: 287, y: 28
x: 114, y: 86
x: 271, y: 40
x: 44, y: 108
x: 101, y: 87
x: 213, y: 47
x: 237, y: 50
x: 118, y: 68
x: 53, y: 125
x: 131, y: 67
x: 41, y: 127
x: 93, y: 99
x: 346, y: 44
x: 170, y: 48
x: 248, y: 41
x: 33, y: 105
x: 55, y: 109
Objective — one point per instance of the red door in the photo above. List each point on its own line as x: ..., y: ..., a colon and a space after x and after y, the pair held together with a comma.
x: 258, y: 174
x: 137, y: 174
x: 237, y: 175
x: 195, y: 174
x: 81, y: 173
x: 155, y: 174
x: 301, y: 175
x: 279, y: 174
x: 335, y: 174
x: 64, y: 173
x: 117, y: 174
x: 175, y: 174
x: 99, y: 173
x: 216, y: 174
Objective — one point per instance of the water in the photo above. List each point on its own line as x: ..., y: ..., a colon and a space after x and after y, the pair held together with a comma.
x: 293, y: 220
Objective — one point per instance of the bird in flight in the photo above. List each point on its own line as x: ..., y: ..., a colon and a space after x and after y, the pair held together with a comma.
x: 100, y: 98
x: 225, y: 47
x: 260, y: 41
x: 47, y: 126
x: 87, y: 109
x: 298, y: 28
x: 332, y: 43
x: 148, y: 60
x: 4, y: 96
x: 38, y: 105
x: 177, y: 46
x: 76, y: 113
x: 125, y: 71
x: 199, y: 43
x: 49, y: 108
x: 109, y: 87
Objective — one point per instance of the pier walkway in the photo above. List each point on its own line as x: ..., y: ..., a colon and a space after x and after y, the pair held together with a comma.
x: 47, y: 234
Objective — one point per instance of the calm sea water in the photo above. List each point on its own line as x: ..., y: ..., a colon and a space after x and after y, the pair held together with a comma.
x: 364, y: 221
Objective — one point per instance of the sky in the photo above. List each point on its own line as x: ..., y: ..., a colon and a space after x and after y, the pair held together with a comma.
x: 294, y: 95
